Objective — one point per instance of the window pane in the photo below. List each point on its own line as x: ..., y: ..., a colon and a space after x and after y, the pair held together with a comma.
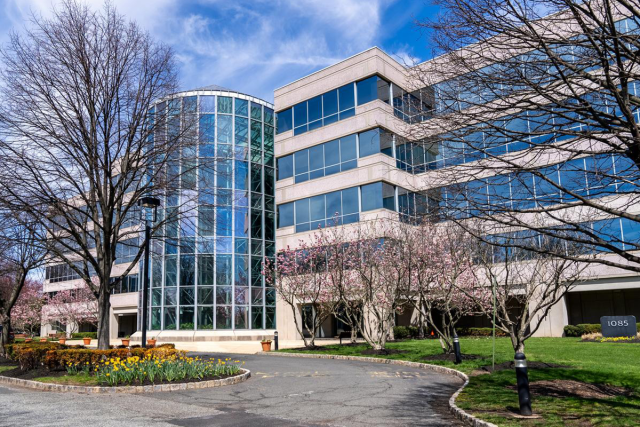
x: 170, y: 318
x: 242, y: 131
x: 301, y: 161
x: 334, y: 204
x: 372, y: 196
x: 284, y: 120
x: 223, y: 317
x: 224, y: 129
x: 224, y: 104
x: 242, y: 106
x: 285, y: 167
x: 285, y: 215
x: 347, y: 148
x: 317, y: 208
x: 332, y: 153
x: 367, y: 90
x: 256, y: 111
x: 350, y: 200
x: 369, y: 142
x: 346, y: 98
x: 302, y: 211
x: 299, y: 114
x: 205, y: 270
x: 207, y: 127
x: 241, y: 319
x: 207, y: 104
x: 316, y: 157
x: 257, y: 317
x: 223, y: 295
x: 205, y: 317
x: 330, y: 103
x: 315, y: 108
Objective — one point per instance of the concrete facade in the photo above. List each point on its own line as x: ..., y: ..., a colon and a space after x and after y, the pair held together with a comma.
x: 382, y: 167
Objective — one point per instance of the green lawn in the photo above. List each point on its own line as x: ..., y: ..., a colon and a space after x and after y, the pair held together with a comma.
x: 488, y: 397
x: 79, y: 379
x: 6, y: 368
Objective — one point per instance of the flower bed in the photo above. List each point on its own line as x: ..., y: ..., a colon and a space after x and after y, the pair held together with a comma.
x: 115, y: 367
x: 597, y: 337
x: 154, y: 369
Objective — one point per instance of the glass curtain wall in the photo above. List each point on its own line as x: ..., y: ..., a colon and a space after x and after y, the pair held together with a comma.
x: 206, y: 273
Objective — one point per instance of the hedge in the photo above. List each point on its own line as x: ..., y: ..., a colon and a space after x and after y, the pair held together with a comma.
x: 56, y: 356
x: 585, y: 328
x: 80, y: 335
x: 479, y: 332
x: 403, y: 332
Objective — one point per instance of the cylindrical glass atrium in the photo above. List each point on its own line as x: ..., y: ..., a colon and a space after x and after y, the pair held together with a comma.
x: 206, y: 272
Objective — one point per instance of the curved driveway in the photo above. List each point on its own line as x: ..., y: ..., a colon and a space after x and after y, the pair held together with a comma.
x: 282, y: 391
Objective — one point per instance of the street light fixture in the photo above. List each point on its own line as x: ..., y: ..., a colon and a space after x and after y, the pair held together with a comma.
x: 147, y: 203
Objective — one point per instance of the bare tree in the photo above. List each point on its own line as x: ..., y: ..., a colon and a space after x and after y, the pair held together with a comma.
x: 535, y: 105
x: 80, y: 145
x: 522, y: 286
x: 20, y: 256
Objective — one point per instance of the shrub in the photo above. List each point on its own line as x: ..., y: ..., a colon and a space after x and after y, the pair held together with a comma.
x: 478, y: 332
x: 573, y: 331
x: 31, y: 355
x: 57, y: 359
x: 80, y: 335
x: 590, y: 328
x: 400, y: 332
x: 414, y: 331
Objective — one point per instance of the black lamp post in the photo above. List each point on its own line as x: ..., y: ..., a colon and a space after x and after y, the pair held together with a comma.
x: 147, y: 203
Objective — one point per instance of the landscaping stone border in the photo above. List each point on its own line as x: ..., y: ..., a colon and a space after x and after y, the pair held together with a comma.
x: 457, y: 412
x: 37, y: 385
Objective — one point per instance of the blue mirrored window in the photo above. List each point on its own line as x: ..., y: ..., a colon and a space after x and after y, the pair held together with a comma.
x: 284, y: 120
x: 371, y: 89
x: 285, y: 167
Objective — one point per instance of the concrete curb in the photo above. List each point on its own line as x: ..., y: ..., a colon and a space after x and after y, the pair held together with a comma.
x: 37, y: 385
x: 457, y: 412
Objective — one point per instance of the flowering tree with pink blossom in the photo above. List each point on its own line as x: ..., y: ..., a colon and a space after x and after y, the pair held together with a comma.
x: 379, y: 280
x: 443, y: 286
x: 341, y: 277
x: 300, y: 279
x: 72, y: 307
x: 26, y: 314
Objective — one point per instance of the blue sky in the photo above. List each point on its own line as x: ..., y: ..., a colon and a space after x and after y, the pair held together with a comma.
x: 255, y: 46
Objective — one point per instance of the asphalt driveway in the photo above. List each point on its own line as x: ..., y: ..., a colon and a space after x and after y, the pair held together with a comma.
x: 282, y: 391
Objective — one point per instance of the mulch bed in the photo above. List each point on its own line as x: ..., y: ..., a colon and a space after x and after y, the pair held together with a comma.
x: 451, y: 357
x: 530, y: 365
x: 572, y: 388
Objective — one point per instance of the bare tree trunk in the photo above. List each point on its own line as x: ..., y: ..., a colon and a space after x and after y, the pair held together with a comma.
x: 104, y: 309
x: 6, y: 328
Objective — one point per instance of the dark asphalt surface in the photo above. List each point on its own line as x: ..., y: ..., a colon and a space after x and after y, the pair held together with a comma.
x: 282, y: 391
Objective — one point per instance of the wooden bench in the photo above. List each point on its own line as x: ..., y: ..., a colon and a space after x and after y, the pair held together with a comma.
x: 20, y: 336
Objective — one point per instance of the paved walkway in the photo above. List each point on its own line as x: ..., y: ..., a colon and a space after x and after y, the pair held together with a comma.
x: 283, y: 391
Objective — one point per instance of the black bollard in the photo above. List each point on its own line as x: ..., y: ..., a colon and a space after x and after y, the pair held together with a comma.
x: 456, y: 349
x: 522, y: 378
x: 275, y: 340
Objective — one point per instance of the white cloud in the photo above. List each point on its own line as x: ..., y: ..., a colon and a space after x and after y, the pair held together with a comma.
x: 252, y: 46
